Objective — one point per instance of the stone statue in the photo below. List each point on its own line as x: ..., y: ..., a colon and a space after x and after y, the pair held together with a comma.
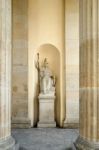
x: 47, y: 81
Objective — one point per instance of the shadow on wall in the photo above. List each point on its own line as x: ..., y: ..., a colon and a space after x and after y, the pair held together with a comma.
x: 53, y: 56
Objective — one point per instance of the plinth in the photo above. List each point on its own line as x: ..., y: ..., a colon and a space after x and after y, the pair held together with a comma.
x: 46, y: 110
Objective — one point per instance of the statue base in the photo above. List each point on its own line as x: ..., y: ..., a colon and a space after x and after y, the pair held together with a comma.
x: 46, y: 110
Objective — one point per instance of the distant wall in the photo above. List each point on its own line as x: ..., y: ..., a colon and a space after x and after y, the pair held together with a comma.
x: 46, y: 25
x: 41, y: 26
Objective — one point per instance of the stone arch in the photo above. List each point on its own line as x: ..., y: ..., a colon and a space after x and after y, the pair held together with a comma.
x: 52, y: 53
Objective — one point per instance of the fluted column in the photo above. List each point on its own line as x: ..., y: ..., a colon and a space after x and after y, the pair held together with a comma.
x: 89, y: 75
x: 6, y: 141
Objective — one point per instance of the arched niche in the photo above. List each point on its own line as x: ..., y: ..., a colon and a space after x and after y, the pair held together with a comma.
x: 52, y: 54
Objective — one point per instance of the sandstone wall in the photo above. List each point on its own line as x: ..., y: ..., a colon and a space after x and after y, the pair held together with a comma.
x: 20, y: 62
x: 46, y: 26
x: 35, y: 25
x: 72, y: 61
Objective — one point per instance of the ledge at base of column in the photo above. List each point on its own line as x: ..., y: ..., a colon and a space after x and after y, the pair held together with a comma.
x: 9, y: 144
x: 21, y: 123
x: 71, y: 125
x: 46, y: 124
x: 84, y: 144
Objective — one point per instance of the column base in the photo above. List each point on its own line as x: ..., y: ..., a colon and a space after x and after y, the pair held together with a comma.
x: 84, y: 144
x: 8, y: 144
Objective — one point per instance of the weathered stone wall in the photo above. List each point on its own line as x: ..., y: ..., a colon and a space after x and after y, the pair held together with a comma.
x: 72, y: 62
x: 20, y: 63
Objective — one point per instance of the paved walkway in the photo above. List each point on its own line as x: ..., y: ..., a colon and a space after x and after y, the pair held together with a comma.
x: 45, y: 138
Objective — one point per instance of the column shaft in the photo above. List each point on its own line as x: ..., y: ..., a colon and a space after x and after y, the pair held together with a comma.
x: 89, y: 61
x: 6, y: 141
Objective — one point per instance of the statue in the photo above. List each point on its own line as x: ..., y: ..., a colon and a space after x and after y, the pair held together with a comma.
x: 46, y: 97
x: 47, y: 81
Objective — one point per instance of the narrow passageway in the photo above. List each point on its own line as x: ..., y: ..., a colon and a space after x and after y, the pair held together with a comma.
x: 45, y: 138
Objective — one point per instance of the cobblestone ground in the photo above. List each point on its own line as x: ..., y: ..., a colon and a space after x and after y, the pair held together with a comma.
x: 45, y: 138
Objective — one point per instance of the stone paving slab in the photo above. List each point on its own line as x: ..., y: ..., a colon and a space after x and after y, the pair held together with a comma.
x: 45, y: 138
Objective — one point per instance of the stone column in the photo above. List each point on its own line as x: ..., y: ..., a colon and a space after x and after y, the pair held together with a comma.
x: 89, y: 75
x: 6, y: 141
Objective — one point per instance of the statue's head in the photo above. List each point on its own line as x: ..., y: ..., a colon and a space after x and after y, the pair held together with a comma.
x: 45, y: 63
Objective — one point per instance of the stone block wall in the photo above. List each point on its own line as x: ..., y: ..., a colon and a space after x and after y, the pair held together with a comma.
x: 72, y: 62
x: 20, y: 64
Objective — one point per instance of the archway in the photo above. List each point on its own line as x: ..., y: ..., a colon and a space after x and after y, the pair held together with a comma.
x: 52, y: 54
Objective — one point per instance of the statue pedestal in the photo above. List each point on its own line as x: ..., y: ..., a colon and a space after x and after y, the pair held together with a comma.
x: 46, y: 110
